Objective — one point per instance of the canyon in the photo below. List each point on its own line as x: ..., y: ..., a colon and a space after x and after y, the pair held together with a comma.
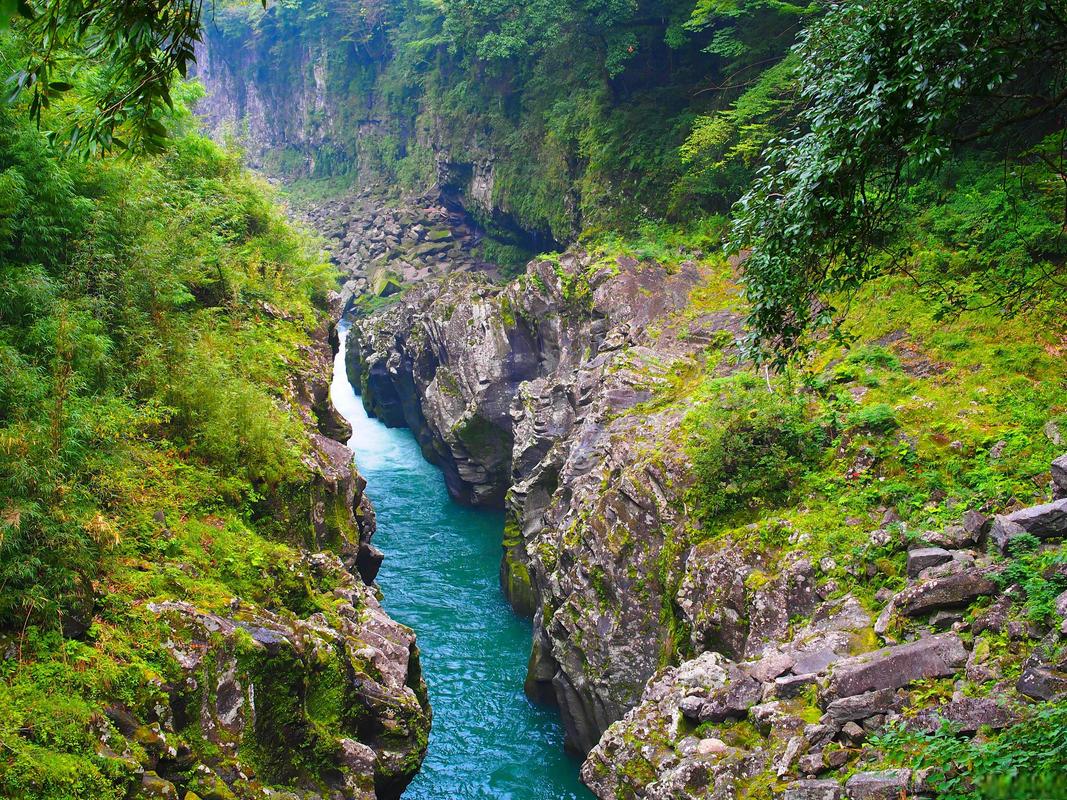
x: 766, y: 654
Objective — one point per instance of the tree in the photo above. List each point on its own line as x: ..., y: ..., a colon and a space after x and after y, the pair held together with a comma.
x: 126, y: 52
x: 889, y: 90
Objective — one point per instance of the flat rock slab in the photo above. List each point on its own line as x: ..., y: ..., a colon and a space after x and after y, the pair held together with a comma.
x: 862, y: 706
x: 890, y: 784
x: 1045, y: 522
x: 924, y: 557
x: 948, y: 592
x: 814, y: 790
x: 896, y: 667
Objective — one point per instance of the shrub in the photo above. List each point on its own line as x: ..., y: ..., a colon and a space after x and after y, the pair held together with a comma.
x: 1025, y: 762
x: 877, y: 418
x: 749, y: 446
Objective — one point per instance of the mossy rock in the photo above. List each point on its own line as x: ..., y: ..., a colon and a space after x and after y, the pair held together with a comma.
x: 386, y: 284
x: 515, y: 577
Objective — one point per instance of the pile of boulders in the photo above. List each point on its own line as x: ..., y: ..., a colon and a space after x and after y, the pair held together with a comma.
x: 381, y: 245
x: 814, y: 697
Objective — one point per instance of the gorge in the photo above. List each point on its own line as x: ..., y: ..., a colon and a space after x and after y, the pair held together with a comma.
x: 440, y: 577
x: 547, y: 400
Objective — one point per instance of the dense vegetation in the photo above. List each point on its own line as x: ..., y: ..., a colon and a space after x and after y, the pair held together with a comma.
x: 870, y: 165
x: 153, y: 311
x: 606, y: 115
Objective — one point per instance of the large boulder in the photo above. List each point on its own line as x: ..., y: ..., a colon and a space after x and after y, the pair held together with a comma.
x: 896, y: 667
x: 1045, y: 521
x: 891, y: 784
x: 1059, y: 477
x: 948, y: 592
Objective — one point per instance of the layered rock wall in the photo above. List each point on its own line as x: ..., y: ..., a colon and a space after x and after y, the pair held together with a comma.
x: 687, y: 665
x: 537, y: 396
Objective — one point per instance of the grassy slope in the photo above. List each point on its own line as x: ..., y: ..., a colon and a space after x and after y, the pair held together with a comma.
x: 924, y: 415
x: 170, y: 306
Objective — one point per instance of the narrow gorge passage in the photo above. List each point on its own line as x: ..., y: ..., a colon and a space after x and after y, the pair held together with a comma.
x: 440, y: 577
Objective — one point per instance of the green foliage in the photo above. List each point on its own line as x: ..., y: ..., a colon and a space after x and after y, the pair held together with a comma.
x: 1026, y: 761
x: 130, y: 314
x: 120, y: 54
x: 887, y: 87
x: 749, y: 446
x: 1042, y: 575
x: 583, y: 106
x: 877, y: 418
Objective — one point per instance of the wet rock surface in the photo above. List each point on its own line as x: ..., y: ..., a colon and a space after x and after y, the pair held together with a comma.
x: 271, y: 702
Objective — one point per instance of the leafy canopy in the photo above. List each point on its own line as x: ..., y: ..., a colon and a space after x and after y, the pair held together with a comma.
x: 123, y: 53
x: 887, y: 90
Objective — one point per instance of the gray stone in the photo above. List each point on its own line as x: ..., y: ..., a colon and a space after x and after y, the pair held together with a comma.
x: 793, y: 749
x: 1044, y: 521
x: 976, y: 524
x: 1042, y: 682
x: 769, y: 667
x: 811, y: 764
x: 924, y: 557
x: 1052, y: 431
x: 890, y: 784
x: 948, y: 592
x: 815, y: 661
x: 967, y: 714
x: 1059, y: 477
x: 896, y: 667
x: 853, y: 733
x: 813, y: 790
x: 793, y: 685
x: 861, y: 706
x: 818, y: 734
x: 732, y: 701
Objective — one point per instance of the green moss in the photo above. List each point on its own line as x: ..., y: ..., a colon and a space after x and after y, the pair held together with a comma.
x: 515, y: 575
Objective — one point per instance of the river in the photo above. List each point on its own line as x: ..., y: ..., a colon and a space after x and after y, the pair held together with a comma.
x: 440, y: 577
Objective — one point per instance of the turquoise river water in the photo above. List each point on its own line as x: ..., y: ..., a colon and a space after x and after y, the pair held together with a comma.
x: 440, y: 576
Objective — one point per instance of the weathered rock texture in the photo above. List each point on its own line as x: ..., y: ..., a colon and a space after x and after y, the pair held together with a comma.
x: 556, y: 397
x: 383, y: 245
x: 539, y: 396
x: 323, y: 693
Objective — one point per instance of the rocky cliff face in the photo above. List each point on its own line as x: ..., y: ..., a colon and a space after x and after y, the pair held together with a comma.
x: 537, y: 396
x: 301, y: 94
x: 321, y: 694
x: 382, y: 246
x: 564, y: 396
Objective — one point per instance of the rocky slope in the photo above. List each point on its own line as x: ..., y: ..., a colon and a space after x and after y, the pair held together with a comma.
x: 568, y: 396
x: 381, y: 245
x: 525, y: 395
x: 318, y: 696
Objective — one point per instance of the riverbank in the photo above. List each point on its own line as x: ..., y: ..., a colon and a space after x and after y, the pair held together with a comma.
x: 440, y: 577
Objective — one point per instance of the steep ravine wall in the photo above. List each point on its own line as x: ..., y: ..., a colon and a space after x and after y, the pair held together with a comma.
x: 308, y: 96
x: 686, y: 666
x: 526, y: 397
x: 317, y: 693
